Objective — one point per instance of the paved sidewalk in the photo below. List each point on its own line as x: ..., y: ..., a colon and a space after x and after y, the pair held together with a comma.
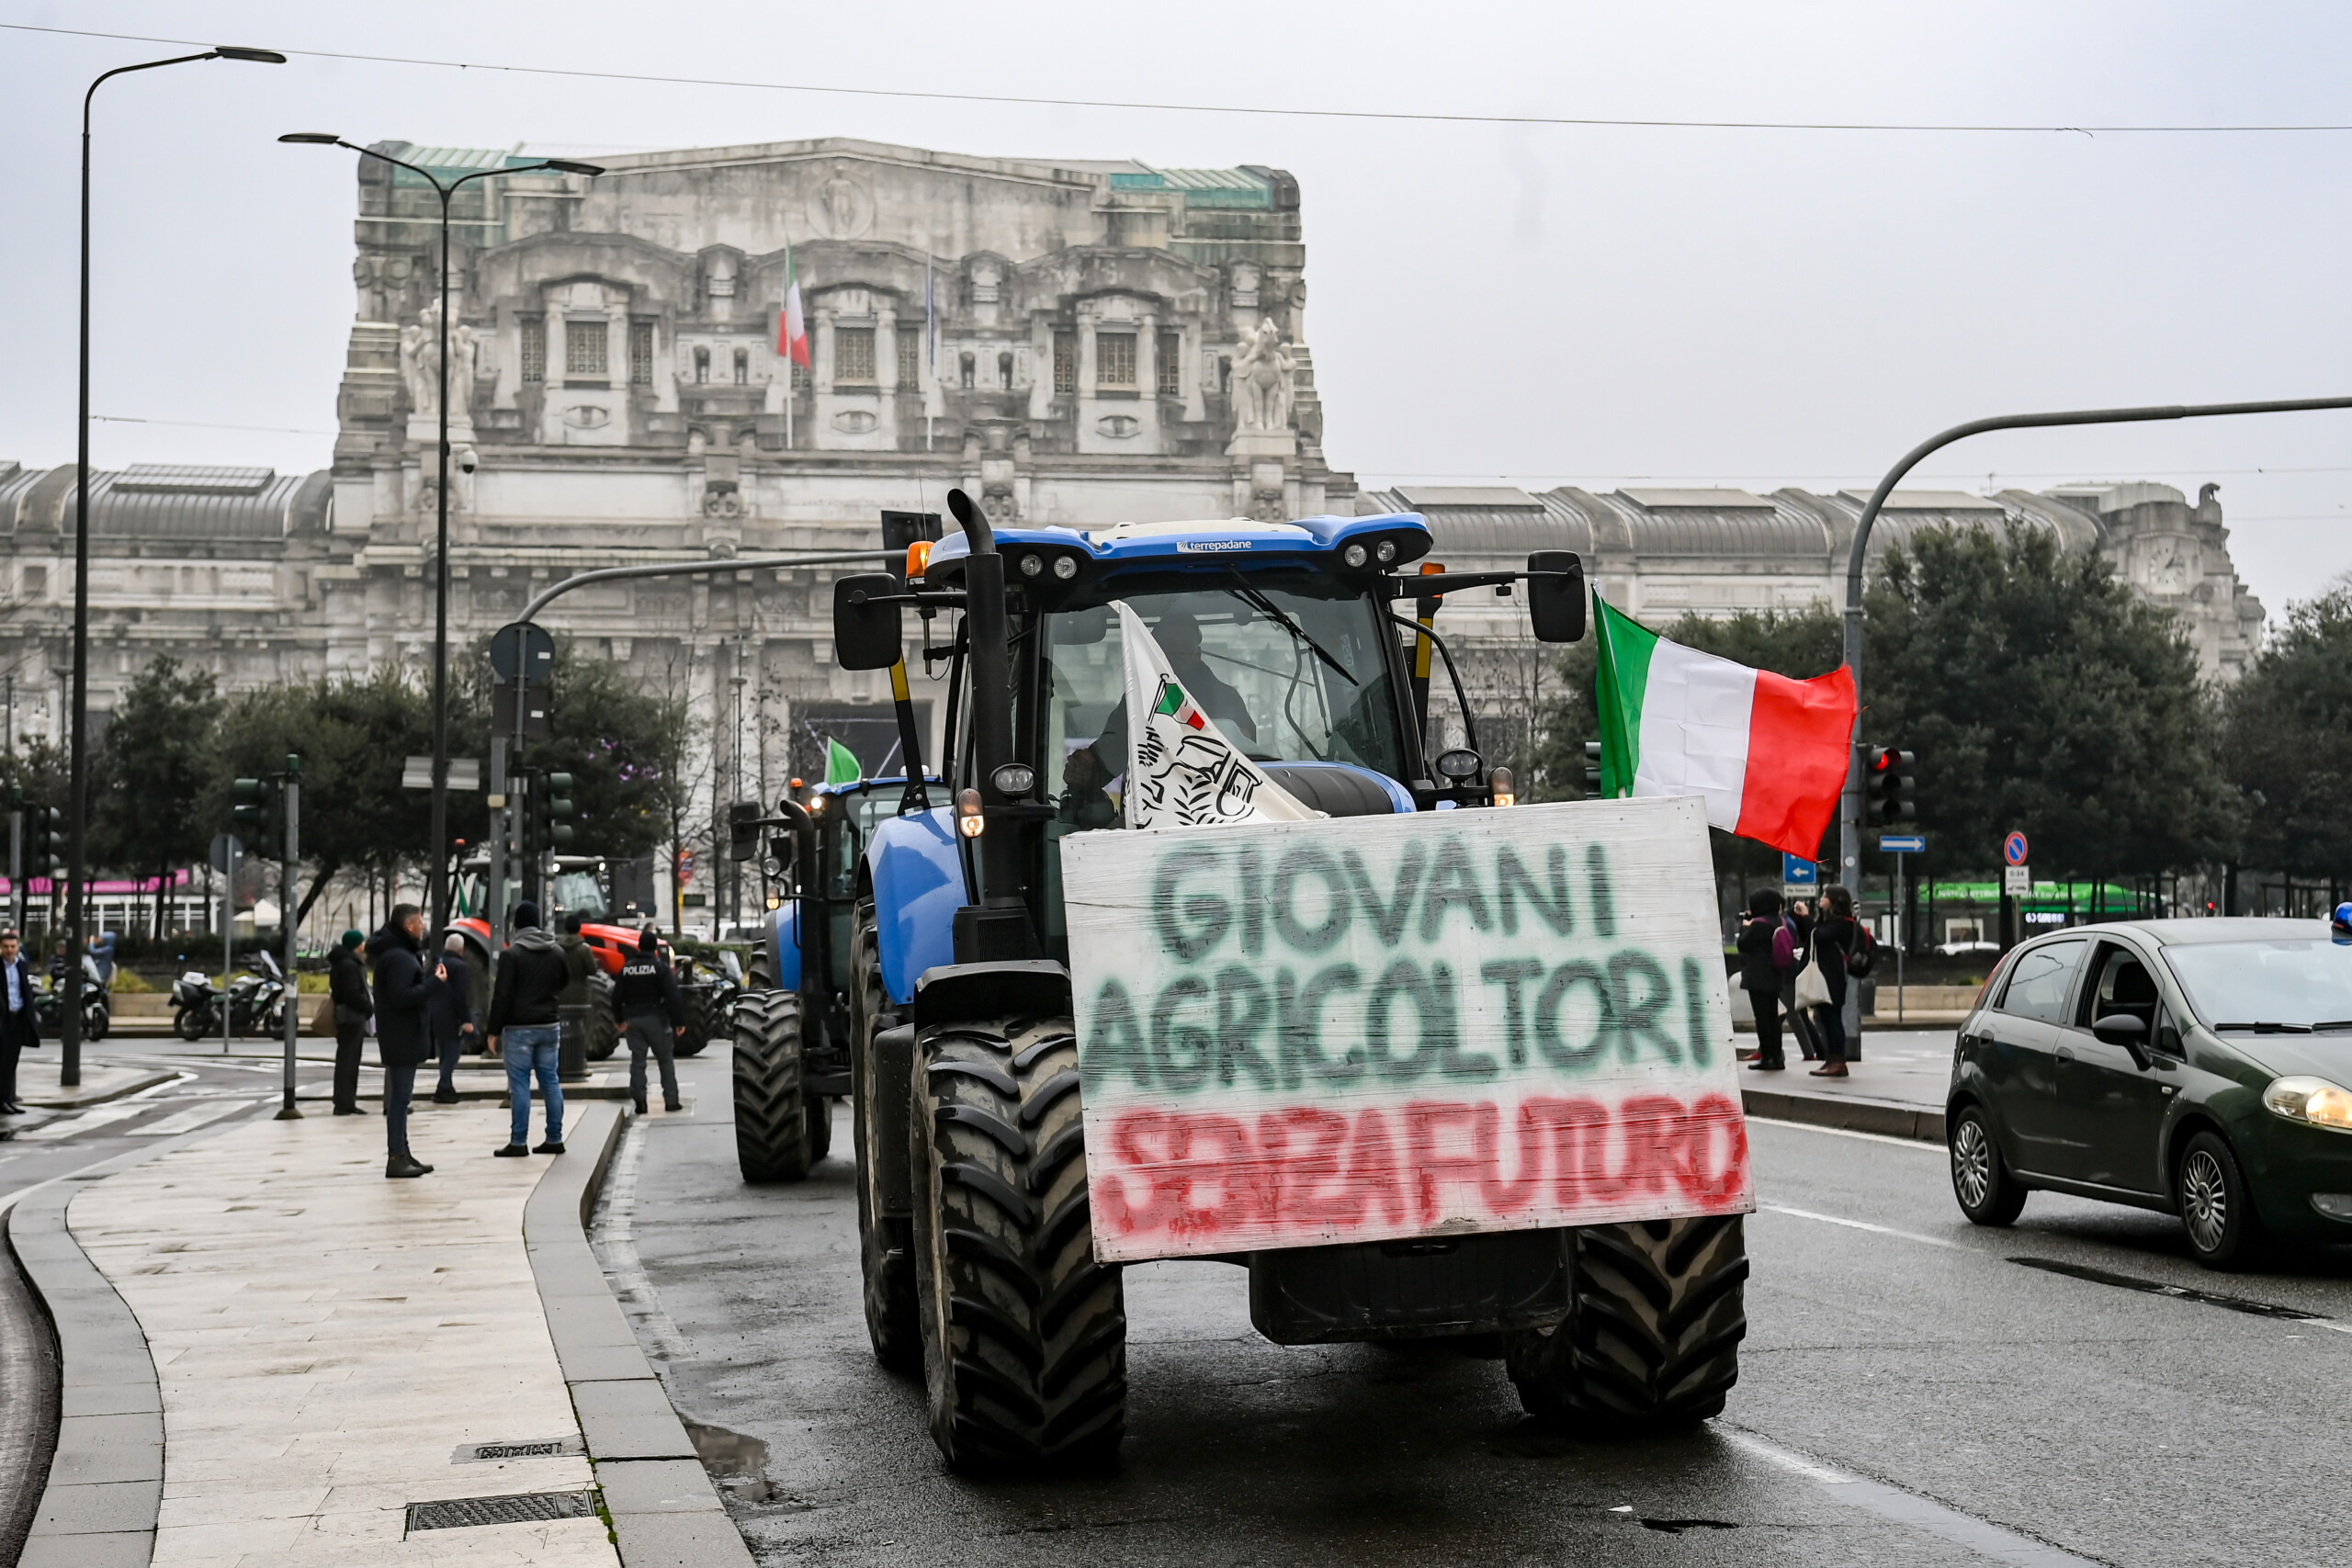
x: 327, y: 1342
x: 1897, y: 1089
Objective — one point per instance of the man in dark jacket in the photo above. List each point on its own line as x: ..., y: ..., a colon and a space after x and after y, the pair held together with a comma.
x: 654, y: 1016
x: 403, y: 994
x: 1760, y: 978
x: 576, y: 1009
x: 347, y: 993
x: 532, y: 974
x: 19, y: 1024
x: 453, y: 1015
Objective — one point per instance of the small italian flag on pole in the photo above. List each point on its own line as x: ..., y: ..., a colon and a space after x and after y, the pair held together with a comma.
x: 842, y: 765
x: 1767, y: 754
x: 791, y: 328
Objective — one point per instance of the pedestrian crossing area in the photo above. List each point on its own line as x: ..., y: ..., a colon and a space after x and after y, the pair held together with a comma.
x: 186, y: 1114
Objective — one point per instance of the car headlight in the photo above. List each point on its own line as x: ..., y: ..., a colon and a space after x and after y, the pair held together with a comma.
x: 2315, y: 1100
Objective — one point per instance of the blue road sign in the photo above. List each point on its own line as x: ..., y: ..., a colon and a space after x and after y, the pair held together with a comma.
x: 1798, y: 872
x: 2013, y: 848
x: 1904, y: 843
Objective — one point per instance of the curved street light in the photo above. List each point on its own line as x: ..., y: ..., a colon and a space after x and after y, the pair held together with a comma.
x: 78, y: 787
x: 445, y: 190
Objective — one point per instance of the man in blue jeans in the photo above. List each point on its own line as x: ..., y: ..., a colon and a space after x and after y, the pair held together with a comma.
x: 523, y: 1030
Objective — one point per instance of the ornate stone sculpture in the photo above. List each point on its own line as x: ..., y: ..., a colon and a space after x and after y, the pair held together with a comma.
x: 1262, y: 379
x: 421, y: 366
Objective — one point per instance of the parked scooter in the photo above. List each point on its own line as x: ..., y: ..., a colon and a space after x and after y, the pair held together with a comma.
x: 97, y: 1012
x: 196, y: 1005
x: 257, y: 999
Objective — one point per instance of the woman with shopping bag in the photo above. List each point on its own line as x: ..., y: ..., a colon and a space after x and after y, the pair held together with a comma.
x: 1837, y: 938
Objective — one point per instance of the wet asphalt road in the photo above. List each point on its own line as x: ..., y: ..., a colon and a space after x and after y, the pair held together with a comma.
x: 1908, y: 1395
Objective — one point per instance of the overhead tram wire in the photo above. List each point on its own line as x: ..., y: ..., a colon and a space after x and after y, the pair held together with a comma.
x: 1276, y: 111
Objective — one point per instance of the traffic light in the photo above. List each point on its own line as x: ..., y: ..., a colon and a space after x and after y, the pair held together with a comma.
x: 251, y: 804
x: 1886, y: 788
x: 45, y: 846
x: 561, y: 811
x: 1593, y: 767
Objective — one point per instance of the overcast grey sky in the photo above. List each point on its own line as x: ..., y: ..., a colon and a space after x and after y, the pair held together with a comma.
x: 1546, y: 303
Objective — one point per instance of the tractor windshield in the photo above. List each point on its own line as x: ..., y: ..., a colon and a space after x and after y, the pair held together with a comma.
x: 1293, y: 674
x: 575, y: 893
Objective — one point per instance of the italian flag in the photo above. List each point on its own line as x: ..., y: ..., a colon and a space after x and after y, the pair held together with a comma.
x: 1767, y: 754
x: 1175, y: 704
x: 791, y: 328
x: 842, y: 765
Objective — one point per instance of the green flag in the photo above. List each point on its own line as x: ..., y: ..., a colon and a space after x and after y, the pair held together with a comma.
x: 842, y: 765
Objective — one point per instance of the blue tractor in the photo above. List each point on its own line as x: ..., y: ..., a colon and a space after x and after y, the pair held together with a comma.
x: 940, y: 1000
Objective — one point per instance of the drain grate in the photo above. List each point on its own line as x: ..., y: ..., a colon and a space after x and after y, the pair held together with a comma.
x: 476, y: 1453
x: 463, y: 1513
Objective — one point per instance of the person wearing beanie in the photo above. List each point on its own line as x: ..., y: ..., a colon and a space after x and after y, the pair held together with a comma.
x: 353, y: 1007
x: 523, y: 1026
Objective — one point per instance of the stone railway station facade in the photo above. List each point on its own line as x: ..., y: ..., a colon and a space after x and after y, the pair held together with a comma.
x: 1081, y: 343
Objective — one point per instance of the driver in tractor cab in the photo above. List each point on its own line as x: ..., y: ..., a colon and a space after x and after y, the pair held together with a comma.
x: 1092, y: 766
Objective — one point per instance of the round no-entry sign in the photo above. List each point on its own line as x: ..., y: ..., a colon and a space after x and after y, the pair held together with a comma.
x: 2013, y: 848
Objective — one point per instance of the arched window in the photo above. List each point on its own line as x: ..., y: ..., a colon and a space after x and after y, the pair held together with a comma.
x: 742, y: 367
x: 1004, y: 370
x: 969, y: 367
x: 702, y: 366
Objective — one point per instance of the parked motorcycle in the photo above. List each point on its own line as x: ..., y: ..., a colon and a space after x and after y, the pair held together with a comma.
x: 256, y: 1002
x: 196, y: 1005
x: 97, y: 1012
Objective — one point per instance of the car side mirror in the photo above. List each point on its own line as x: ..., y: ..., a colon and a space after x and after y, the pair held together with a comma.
x: 1556, y: 598
x: 742, y: 830
x: 866, y: 635
x: 2122, y: 1029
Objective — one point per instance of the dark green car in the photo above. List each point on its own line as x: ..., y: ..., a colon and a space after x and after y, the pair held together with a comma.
x: 2203, y: 1068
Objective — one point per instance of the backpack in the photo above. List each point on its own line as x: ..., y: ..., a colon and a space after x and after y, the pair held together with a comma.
x: 1785, y: 948
x: 1864, y: 957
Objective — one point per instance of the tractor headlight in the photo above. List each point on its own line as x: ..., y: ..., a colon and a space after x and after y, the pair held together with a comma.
x: 2312, y: 1100
x: 1033, y: 566
x: 1387, y: 551
x: 1015, y: 780
x: 1065, y: 567
x: 1356, y: 555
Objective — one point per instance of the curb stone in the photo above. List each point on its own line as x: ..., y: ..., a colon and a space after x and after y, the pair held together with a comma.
x: 663, y: 1509
x: 1850, y: 1113
x: 106, y: 1479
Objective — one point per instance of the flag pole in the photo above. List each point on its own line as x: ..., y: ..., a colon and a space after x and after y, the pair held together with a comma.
x: 931, y: 348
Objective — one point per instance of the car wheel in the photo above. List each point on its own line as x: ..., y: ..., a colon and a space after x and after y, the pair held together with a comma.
x: 2216, y: 1209
x: 1988, y: 1194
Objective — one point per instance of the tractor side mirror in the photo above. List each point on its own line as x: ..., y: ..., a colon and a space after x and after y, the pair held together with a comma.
x: 742, y: 830
x: 866, y: 635
x: 1556, y: 599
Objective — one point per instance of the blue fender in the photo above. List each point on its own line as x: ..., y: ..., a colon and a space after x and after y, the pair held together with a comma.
x: 784, y: 944
x: 918, y: 880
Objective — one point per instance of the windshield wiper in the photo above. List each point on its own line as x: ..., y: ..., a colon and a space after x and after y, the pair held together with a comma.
x: 2266, y: 1028
x: 1273, y: 613
x: 2333, y: 1024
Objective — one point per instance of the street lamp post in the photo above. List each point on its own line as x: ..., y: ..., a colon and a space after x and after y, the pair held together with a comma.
x: 1849, y: 813
x: 78, y: 804
x: 438, y: 853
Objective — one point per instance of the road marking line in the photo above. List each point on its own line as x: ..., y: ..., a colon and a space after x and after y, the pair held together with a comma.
x: 66, y: 1126
x: 2246, y: 1304
x: 1861, y: 1225
x: 1980, y: 1536
x: 196, y: 1116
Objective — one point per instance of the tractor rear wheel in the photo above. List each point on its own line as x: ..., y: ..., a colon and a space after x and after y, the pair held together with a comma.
x: 706, y: 1020
x: 1652, y: 1340
x: 770, y: 1123
x: 885, y: 1241
x: 603, y: 1021
x: 1024, y: 1336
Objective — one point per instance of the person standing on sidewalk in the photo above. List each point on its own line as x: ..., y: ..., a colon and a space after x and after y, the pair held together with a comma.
x: 532, y: 974
x: 576, y: 1009
x: 1790, y: 947
x: 453, y: 1015
x: 19, y: 1024
x: 654, y: 1015
x: 347, y: 995
x: 1760, y: 978
x: 1836, y: 937
x: 404, y: 994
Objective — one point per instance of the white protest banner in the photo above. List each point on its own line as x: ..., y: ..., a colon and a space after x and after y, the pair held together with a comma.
x: 1297, y: 1033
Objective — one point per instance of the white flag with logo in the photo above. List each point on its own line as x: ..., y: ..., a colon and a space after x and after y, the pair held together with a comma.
x: 1181, y: 771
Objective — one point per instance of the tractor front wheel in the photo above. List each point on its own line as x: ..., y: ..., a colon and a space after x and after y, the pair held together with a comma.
x: 885, y: 1244
x: 1024, y: 1336
x: 771, y: 1122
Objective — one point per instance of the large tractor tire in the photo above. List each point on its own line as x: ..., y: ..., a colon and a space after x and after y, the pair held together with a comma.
x: 1652, y: 1341
x: 603, y: 1021
x: 1024, y: 1336
x: 705, y: 1019
x: 885, y: 1243
x: 771, y: 1122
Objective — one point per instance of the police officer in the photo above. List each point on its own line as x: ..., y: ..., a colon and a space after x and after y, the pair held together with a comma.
x: 655, y: 1017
